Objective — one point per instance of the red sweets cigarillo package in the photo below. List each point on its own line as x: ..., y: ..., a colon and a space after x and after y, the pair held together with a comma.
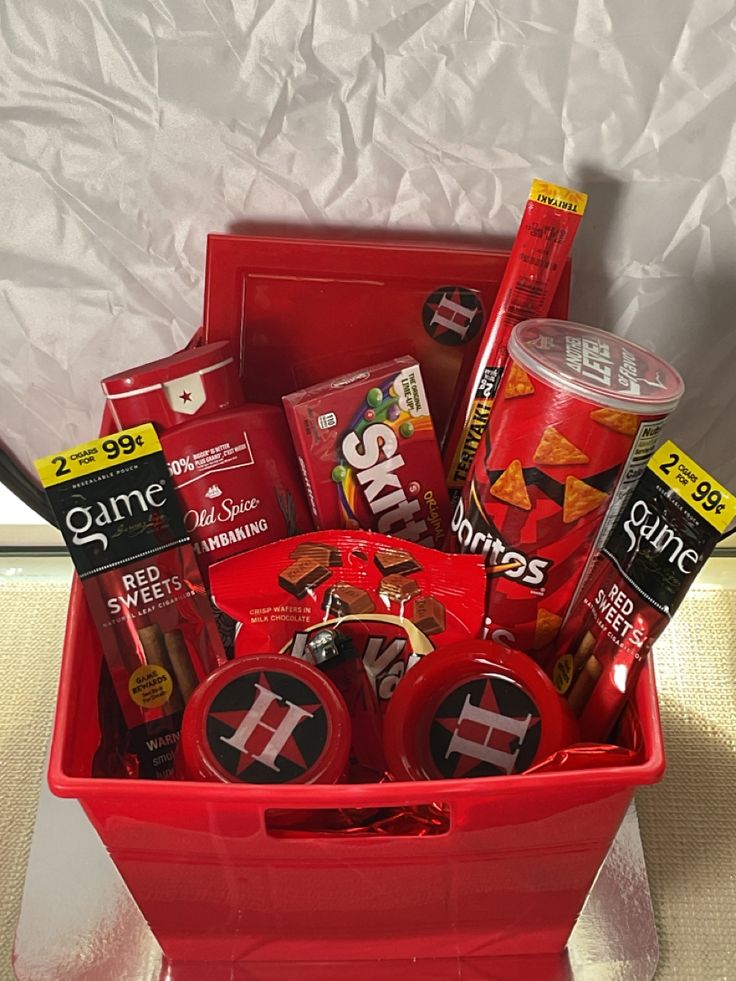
x: 368, y: 453
x: 118, y: 513
x: 394, y: 600
x: 548, y: 226
x: 656, y: 548
x: 577, y: 419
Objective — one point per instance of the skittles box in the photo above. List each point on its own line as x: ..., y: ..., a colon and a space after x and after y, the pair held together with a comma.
x: 368, y: 453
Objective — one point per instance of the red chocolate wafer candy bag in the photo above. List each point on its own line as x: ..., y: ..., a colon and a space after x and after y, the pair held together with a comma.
x: 383, y: 603
x: 397, y: 601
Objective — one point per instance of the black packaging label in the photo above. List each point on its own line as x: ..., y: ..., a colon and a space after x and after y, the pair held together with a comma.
x: 660, y: 543
x: 114, y: 500
x: 267, y: 727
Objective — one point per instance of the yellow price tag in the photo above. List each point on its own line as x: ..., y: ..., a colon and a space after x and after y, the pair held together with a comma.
x: 98, y: 454
x: 562, y: 198
x: 694, y: 485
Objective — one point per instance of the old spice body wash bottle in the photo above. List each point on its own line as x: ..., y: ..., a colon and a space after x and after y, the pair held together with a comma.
x: 232, y: 464
x: 237, y: 481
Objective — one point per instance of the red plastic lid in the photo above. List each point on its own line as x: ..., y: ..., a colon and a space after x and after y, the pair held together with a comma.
x: 474, y: 709
x: 596, y: 365
x: 265, y: 719
x: 196, y: 382
x: 202, y: 360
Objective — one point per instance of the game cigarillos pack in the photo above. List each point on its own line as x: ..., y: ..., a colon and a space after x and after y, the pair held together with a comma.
x: 543, y: 242
x: 656, y: 548
x: 120, y: 519
x: 577, y: 418
x: 368, y: 453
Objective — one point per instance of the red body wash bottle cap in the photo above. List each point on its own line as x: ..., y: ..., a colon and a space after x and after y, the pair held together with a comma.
x: 194, y: 382
x: 265, y: 719
x: 474, y: 709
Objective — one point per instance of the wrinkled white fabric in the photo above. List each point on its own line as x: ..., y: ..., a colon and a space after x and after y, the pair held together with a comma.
x: 130, y: 130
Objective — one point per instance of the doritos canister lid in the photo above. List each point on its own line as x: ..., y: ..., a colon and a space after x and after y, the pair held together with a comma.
x: 265, y: 719
x: 596, y: 365
x: 474, y: 709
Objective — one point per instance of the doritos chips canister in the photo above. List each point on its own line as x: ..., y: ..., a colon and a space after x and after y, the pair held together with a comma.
x: 578, y: 417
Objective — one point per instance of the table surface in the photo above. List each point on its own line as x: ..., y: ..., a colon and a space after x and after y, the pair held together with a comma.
x: 688, y: 821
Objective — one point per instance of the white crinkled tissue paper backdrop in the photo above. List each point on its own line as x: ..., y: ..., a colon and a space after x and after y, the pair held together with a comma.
x: 128, y: 131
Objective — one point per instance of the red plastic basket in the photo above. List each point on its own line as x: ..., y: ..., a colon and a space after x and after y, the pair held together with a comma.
x: 510, y: 874
x: 511, y: 869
